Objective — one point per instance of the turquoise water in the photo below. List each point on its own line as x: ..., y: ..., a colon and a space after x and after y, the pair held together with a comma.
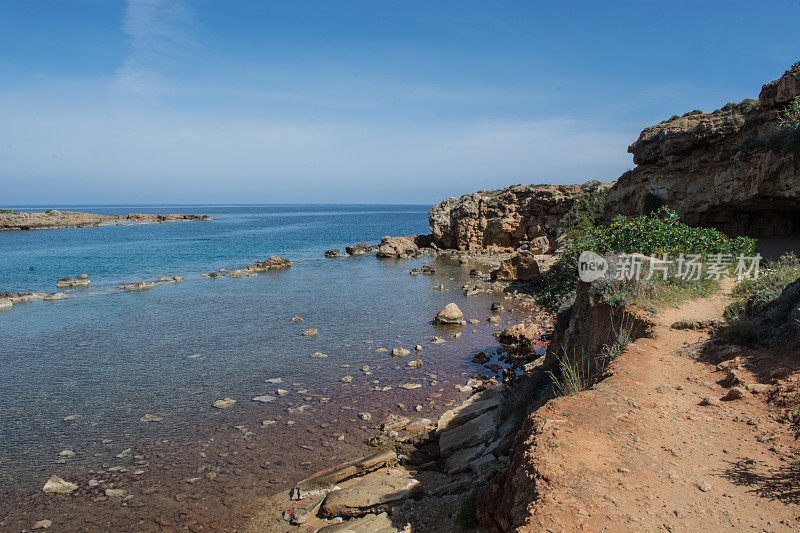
x: 110, y: 357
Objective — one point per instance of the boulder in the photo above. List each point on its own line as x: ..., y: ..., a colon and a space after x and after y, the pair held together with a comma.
x: 520, y: 267
x: 334, y: 253
x: 360, y: 249
x: 396, y: 247
x: 377, y: 491
x: 451, y: 315
x: 400, y: 352
x: 520, y: 337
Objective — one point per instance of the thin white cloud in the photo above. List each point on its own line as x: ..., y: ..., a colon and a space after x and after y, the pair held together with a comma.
x: 159, y: 36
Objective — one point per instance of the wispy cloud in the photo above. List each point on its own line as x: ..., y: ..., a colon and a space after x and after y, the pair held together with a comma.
x: 159, y: 37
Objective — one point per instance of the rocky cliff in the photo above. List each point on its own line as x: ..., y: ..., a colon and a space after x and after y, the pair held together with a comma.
x: 737, y: 169
x: 502, y: 219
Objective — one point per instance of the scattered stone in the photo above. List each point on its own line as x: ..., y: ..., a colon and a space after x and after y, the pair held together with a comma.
x: 224, y: 404
x: 451, y: 315
x: 281, y: 392
x: 334, y: 253
x: 365, y: 416
x: 310, y: 332
x: 493, y: 319
x: 496, y: 307
x: 56, y: 485
x: 758, y: 388
x: 43, y: 524
x: 400, y: 352
x: 115, y: 493
x: 318, y: 354
x: 296, y: 319
x: 268, y: 422
x: 474, y: 321
x: 273, y: 380
x: 417, y: 363
x: 437, y: 340
x: 410, y: 386
x: 347, y: 379
x: 381, y: 350
x: 365, y: 368
x: 418, y: 348
x: 66, y: 453
x: 151, y: 418
x: 265, y: 398
x: 704, y: 486
x: 70, y: 418
x: 736, y: 393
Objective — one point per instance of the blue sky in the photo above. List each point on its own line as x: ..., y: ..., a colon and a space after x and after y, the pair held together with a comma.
x: 163, y: 101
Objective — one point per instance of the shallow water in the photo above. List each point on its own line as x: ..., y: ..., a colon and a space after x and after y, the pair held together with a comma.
x: 112, y: 357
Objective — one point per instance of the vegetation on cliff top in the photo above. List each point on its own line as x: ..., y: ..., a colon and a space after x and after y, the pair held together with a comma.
x: 653, y: 235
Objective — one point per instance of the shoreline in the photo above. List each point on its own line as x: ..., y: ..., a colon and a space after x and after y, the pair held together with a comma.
x: 115, y: 475
x: 11, y: 220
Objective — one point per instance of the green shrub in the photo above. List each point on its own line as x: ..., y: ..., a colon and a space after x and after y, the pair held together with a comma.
x: 655, y: 234
x: 760, y: 304
x: 586, y: 210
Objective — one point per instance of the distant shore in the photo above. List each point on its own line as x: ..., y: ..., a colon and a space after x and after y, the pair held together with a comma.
x: 11, y: 220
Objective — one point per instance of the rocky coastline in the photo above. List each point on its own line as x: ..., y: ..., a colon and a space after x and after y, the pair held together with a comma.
x: 11, y: 220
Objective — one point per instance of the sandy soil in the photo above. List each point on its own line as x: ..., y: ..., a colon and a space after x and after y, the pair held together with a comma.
x: 639, y: 453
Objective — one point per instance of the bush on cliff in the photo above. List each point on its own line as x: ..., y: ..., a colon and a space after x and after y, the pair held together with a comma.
x: 655, y: 234
x: 586, y: 211
x: 760, y: 305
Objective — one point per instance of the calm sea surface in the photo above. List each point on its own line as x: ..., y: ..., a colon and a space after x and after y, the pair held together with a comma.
x: 110, y: 357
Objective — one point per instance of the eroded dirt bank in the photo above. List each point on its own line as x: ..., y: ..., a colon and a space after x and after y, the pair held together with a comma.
x: 641, y: 452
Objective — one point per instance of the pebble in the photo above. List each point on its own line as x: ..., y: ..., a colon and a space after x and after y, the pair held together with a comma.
x: 66, y: 453
x: 365, y: 416
x: 347, y: 379
x: 318, y: 354
x: 281, y: 392
x: 70, y: 418
x: 274, y: 380
x: 267, y: 422
x: 43, y: 524
x: 704, y: 486
x: 411, y: 386
x: 310, y: 332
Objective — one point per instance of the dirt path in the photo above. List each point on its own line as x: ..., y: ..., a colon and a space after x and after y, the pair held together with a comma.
x: 639, y: 453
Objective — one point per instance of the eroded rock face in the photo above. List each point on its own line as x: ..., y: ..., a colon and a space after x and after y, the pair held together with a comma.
x: 520, y: 267
x: 502, y: 219
x: 734, y: 169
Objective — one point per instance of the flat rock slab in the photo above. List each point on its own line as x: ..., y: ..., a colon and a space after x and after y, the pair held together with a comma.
x: 327, y: 479
x: 372, y: 523
x: 477, y: 431
x: 375, y: 491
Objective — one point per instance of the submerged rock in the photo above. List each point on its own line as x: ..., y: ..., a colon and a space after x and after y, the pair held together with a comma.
x: 225, y: 403
x: 56, y: 485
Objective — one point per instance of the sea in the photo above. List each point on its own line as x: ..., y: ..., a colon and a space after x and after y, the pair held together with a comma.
x: 94, y: 379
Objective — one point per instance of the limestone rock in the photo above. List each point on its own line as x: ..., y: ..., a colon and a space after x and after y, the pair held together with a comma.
x: 400, y: 352
x: 360, y: 249
x: 396, y: 247
x: 56, y: 485
x: 501, y: 219
x: 334, y: 253
x: 449, y: 316
x: 520, y: 267
x: 477, y: 431
x: 732, y: 169
x: 68, y: 283
x: 371, y: 523
x: 378, y: 490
